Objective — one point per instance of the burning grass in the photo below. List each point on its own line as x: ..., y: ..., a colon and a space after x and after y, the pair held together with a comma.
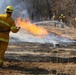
x: 34, y: 29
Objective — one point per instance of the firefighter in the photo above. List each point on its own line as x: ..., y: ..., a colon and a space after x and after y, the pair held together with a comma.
x: 54, y: 18
x: 7, y: 24
x: 62, y: 19
x: 75, y: 19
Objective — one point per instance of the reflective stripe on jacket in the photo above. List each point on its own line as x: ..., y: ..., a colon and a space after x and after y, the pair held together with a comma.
x: 7, y: 24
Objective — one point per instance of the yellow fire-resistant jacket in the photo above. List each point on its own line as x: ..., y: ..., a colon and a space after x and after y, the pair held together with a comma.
x: 54, y: 17
x: 7, y: 24
x: 62, y: 18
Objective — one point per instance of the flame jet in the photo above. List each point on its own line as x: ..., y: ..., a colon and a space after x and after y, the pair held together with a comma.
x: 32, y: 28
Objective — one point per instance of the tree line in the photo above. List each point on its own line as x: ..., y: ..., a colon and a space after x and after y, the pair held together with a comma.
x: 40, y: 10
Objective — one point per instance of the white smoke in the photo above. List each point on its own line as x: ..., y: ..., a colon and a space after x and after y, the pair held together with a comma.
x: 3, y: 5
x: 20, y: 9
x: 24, y: 36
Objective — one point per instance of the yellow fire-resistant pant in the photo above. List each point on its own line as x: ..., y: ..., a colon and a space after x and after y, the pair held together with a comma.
x: 3, y: 48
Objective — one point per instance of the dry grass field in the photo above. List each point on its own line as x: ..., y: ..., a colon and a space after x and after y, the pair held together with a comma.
x: 25, y: 58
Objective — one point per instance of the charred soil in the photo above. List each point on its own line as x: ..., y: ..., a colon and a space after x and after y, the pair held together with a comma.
x: 38, y: 59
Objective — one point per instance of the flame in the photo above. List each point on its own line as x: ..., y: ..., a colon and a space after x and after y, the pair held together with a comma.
x: 34, y: 29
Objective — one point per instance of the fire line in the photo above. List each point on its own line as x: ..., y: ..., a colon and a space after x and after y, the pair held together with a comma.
x: 32, y: 28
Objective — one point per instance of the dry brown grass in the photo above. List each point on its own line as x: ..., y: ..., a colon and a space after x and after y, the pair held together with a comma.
x: 66, y: 32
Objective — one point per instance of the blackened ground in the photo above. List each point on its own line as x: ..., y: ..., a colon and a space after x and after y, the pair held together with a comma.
x: 39, y: 59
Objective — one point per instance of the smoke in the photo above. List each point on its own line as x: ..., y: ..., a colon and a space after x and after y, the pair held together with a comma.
x: 24, y: 36
x: 20, y: 9
x: 3, y: 5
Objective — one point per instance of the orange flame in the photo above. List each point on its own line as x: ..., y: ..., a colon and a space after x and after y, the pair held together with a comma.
x: 34, y: 29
